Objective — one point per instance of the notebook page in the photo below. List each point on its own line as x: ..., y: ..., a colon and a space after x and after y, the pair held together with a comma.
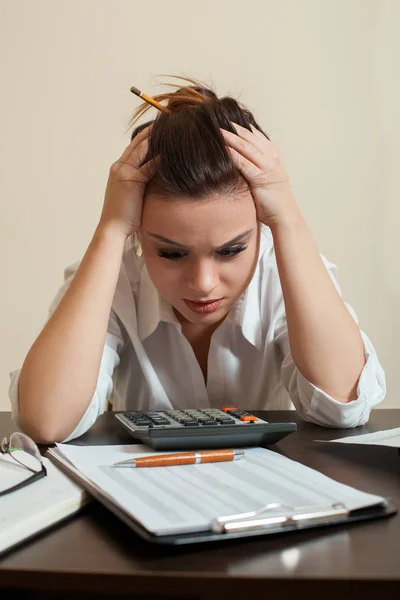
x: 31, y: 509
x: 171, y: 500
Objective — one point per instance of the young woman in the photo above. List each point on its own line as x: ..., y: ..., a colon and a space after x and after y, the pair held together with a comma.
x: 201, y: 286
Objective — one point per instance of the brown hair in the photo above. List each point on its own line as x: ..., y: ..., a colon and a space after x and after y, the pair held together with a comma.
x: 192, y: 157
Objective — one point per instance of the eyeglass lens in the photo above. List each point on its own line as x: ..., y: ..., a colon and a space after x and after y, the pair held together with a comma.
x: 25, y: 451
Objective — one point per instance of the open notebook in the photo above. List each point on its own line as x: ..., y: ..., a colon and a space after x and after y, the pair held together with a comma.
x: 262, y: 493
x: 39, y: 505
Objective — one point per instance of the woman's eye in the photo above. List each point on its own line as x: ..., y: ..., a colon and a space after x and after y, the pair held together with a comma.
x: 227, y: 252
x: 171, y: 255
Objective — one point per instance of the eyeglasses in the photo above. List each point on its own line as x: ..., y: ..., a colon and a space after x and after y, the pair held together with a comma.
x: 26, y: 453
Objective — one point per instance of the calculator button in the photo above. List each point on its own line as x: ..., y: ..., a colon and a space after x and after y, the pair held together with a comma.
x: 207, y: 421
x: 190, y: 424
x: 225, y: 421
x: 175, y: 419
x: 228, y: 408
x: 236, y: 413
x: 248, y: 418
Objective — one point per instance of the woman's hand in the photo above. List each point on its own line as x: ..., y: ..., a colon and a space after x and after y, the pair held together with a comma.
x: 123, y: 202
x: 259, y: 161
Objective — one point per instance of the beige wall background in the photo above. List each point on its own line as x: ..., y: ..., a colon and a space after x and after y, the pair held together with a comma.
x: 320, y: 75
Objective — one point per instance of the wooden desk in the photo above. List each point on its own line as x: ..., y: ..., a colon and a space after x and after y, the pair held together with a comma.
x: 94, y: 555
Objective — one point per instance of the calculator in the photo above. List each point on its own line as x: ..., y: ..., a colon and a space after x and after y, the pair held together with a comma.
x: 228, y: 427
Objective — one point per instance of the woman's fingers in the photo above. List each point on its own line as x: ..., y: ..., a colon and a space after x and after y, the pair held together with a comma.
x: 135, y: 143
x: 149, y: 168
x: 138, y: 170
x: 246, y: 144
x: 247, y: 168
x: 259, y: 134
x: 139, y: 154
x: 254, y: 137
x: 137, y: 157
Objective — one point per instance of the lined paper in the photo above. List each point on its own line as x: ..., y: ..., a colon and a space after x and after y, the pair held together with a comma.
x: 186, y: 498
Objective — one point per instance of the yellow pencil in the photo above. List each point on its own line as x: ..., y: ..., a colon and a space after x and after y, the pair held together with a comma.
x: 149, y: 99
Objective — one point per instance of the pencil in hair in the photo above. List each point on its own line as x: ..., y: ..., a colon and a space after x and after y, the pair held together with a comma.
x: 149, y: 99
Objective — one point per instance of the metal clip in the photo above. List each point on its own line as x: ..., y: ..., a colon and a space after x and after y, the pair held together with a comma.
x: 251, y: 521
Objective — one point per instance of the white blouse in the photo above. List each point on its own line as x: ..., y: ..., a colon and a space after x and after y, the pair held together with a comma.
x: 148, y: 364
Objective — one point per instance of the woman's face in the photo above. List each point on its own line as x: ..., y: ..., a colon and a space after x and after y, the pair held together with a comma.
x: 197, y: 251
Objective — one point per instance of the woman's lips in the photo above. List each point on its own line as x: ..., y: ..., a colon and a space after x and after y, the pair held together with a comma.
x: 203, y: 307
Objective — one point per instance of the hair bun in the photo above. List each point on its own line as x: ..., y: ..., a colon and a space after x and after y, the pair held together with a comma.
x: 204, y: 91
x: 189, y: 97
x: 184, y: 97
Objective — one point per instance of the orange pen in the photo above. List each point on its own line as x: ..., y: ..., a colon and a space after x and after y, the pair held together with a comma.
x: 183, y: 458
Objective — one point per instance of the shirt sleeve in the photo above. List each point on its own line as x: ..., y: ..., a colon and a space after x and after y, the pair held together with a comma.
x: 315, y: 405
x: 110, y: 359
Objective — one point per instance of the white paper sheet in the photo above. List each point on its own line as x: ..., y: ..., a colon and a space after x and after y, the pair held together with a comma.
x: 187, y: 498
x: 389, y: 437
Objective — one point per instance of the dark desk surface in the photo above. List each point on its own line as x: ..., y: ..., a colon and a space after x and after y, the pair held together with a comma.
x: 95, y: 553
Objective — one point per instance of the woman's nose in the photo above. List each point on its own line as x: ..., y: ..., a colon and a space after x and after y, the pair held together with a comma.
x: 203, y: 277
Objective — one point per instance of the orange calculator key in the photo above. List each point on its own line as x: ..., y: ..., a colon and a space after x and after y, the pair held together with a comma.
x: 226, y: 408
x: 248, y: 418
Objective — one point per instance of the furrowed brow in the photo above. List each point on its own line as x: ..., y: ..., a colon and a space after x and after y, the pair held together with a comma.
x: 235, y: 240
